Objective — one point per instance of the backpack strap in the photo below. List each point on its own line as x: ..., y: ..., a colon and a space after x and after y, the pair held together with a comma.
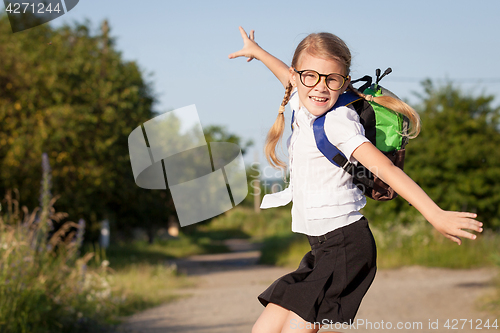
x: 293, y: 111
x: 324, y: 145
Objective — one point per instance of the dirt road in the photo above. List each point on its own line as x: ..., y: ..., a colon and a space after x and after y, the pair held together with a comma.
x: 225, y: 301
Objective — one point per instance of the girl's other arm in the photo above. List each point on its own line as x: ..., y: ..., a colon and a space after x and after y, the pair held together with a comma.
x: 448, y: 223
x: 252, y: 50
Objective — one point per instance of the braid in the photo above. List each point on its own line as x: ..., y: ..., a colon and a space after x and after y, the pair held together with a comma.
x: 288, y: 92
x: 276, y: 132
x: 286, y: 98
x: 396, y: 105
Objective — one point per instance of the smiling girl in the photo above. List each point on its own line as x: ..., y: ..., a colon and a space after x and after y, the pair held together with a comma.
x: 334, y: 276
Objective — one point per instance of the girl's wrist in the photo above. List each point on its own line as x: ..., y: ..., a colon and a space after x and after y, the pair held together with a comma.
x: 433, y: 216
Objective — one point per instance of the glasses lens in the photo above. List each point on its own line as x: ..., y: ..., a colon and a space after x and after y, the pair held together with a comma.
x: 334, y: 81
x: 309, y: 78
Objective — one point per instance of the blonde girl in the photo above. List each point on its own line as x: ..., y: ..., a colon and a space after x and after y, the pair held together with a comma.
x: 333, y: 277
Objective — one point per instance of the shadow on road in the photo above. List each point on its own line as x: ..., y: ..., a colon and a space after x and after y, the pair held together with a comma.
x: 243, y: 254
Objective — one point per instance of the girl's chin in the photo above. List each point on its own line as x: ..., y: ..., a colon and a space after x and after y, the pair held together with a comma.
x: 318, y: 110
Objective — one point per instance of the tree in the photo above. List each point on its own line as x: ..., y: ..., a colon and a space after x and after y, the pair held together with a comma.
x: 455, y: 159
x: 70, y: 94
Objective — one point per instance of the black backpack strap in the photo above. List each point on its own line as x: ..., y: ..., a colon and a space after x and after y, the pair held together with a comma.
x: 368, y: 82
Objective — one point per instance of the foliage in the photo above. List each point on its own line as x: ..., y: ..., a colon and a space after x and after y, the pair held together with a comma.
x: 217, y: 133
x: 455, y: 159
x: 69, y: 93
x: 44, y: 285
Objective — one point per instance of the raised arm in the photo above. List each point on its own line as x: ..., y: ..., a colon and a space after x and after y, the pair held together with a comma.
x: 252, y: 50
x: 450, y: 224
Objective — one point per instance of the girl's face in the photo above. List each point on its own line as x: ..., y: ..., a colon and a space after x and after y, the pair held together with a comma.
x: 318, y: 99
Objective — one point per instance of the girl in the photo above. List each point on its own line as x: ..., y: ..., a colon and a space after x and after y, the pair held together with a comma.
x: 333, y: 277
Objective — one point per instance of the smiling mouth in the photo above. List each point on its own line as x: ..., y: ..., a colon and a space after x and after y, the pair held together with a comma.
x: 318, y: 99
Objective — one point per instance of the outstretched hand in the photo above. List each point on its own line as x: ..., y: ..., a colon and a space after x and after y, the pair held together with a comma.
x: 450, y: 224
x: 250, y: 47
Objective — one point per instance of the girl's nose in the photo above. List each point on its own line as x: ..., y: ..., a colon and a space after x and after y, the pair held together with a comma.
x: 321, y: 85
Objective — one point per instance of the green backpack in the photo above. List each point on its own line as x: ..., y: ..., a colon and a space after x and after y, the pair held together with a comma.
x: 386, y: 129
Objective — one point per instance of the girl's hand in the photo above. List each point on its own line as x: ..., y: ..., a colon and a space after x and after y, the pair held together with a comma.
x: 250, y: 47
x: 450, y: 224
x: 252, y: 50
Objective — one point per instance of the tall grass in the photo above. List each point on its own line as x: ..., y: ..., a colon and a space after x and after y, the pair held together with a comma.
x: 45, y: 285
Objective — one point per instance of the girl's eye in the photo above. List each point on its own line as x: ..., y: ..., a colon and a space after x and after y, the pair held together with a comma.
x: 334, y: 79
x: 309, y: 75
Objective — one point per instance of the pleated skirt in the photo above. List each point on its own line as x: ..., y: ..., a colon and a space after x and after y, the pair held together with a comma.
x: 331, y: 279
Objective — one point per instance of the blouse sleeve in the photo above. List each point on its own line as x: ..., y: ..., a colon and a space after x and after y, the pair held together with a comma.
x: 343, y: 129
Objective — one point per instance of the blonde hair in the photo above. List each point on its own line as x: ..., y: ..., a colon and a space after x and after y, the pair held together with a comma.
x: 328, y: 46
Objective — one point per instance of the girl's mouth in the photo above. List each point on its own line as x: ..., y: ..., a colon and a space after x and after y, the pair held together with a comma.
x: 318, y: 100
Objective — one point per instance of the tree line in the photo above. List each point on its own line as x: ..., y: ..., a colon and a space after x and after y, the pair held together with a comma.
x: 69, y: 93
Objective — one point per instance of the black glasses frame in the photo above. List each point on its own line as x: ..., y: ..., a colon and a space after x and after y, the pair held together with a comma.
x: 319, y: 78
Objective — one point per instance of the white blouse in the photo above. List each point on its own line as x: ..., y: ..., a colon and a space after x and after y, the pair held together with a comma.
x: 324, y: 197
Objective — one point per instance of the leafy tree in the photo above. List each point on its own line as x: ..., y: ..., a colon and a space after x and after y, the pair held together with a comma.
x: 70, y: 94
x: 455, y: 159
x: 217, y: 133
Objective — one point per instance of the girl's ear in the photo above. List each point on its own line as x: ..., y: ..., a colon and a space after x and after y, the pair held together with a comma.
x: 292, y: 77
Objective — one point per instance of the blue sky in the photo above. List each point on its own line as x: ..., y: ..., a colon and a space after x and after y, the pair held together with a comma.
x: 185, y: 44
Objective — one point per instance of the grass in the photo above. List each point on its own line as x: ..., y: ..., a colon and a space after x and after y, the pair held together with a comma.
x: 491, y: 302
x: 49, y: 283
x: 143, y: 285
x: 45, y: 285
x: 141, y: 252
x: 142, y: 275
x: 243, y: 222
x: 418, y: 243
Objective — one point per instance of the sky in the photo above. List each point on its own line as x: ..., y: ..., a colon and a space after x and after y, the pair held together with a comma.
x: 182, y: 47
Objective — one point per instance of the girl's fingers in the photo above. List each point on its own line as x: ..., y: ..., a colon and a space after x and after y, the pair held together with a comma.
x: 243, y: 33
x: 456, y: 239
x: 466, y: 234
x: 252, y: 36
x: 472, y: 225
x: 469, y: 215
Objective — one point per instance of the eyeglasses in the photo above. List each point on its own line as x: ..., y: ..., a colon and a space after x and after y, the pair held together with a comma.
x: 310, y: 78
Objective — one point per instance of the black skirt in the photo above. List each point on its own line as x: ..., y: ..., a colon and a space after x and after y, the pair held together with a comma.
x: 331, y: 279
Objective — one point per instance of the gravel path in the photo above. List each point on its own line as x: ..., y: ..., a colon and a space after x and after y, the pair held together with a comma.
x: 225, y: 301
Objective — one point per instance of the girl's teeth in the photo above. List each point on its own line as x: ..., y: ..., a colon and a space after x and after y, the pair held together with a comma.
x: 319, y: 99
